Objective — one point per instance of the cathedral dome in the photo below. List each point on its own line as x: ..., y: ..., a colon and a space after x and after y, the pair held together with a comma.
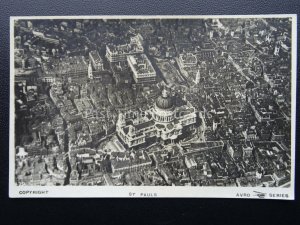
x: 164, y: 101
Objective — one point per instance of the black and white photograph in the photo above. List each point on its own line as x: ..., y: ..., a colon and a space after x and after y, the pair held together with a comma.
x: 153, y: 106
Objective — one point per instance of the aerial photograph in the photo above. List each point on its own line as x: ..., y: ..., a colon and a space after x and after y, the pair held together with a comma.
x: 152, y: 102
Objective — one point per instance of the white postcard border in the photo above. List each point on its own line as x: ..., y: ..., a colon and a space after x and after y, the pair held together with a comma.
x: 152, y: 191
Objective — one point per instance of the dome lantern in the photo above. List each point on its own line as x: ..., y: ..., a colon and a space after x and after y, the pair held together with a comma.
x: 164, y: 101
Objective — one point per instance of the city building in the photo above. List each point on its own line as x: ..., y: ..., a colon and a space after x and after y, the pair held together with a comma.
x: 133, y: 162
x: 165, y: 121
x: 119, y: 53
x: 46, y: 37
x: 96, y: 60
x: 142, y: 69
x: 187, y: 60
x: 71, y: 68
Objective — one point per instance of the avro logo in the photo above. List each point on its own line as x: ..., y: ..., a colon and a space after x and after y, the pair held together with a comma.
x: 259, y: 194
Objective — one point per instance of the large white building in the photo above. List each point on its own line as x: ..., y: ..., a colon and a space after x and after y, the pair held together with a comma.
x: 48, y: 38
x: 119, y: 53
x: 96, y: 60
x: 165, y: 121
x: 142, y: 69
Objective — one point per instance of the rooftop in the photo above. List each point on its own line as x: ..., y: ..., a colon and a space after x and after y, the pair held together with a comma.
x: 140, y: 64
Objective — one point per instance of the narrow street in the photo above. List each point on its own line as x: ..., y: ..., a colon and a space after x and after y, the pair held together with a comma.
x: 238, y: 68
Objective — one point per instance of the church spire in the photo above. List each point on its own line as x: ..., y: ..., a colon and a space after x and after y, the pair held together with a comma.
x: 90, y: 71
x: 197, y: 79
